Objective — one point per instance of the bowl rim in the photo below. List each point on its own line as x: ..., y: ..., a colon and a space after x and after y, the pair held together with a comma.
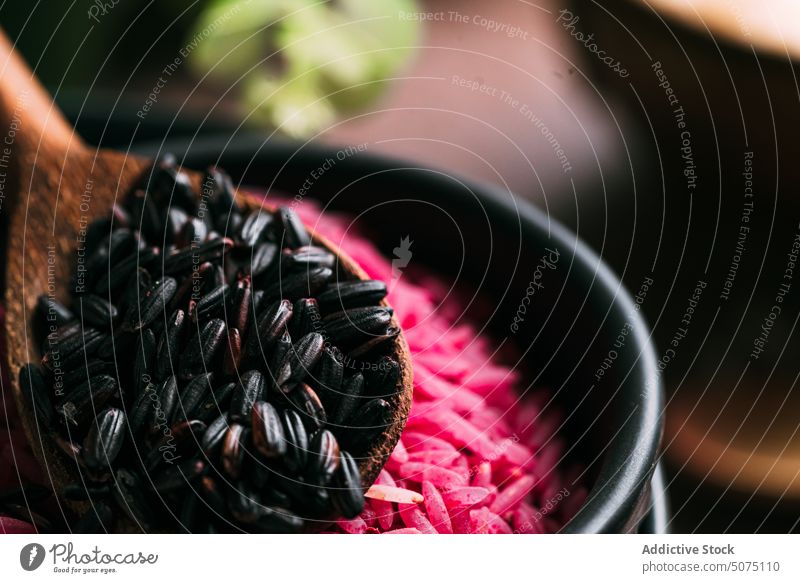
x: 617, y: 499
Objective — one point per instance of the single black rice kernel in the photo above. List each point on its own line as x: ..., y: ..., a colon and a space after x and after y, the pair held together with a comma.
x: 267, y: 430
x: 324, y: 457
x: 193, y: 395
x: 67, y: 352
x: 137, y: 283
x: 351, y: 294
x: 85, y: 371
x: 374, y: 342
x: 170, y: 345
x: 211, y: 250
x: 233, y: 352
x: 215, y: 403
x: 214, y: 436
x: 144, y: 360
x: 80, y: 404
x: 251, y: 388
x: 305, y: 317
x: 178, y: 476
x: 176, y: 219
x: 191, y: 287
x: 120, y: 244
x: 217, y: 187
x: 347, y: 495
x: 129, y: 497
x: 308, y: 404
x: 239, y: 307
x: 169, y: 186
x: 255, y: 227
x: 194, y: 230
x: 357, y: 325
x: 300, y: 359
x: 382, y: 379
x: 329, y: 376
x: 296, y: 441
x: 140, y: 411
x: 299, y: 284
x: 367, y: 423
x: 233, y: 449
x: 37, y: 392
x: 352, y: 391
x: 167, y: 403
x: 202, y: 348
x: 293, y: 232
x: 105, y: 439
x: 305, y: 258
x: 52, y: 312
x: 211, y: 303
x: 262, y: 259
x: 279, y: 352
x: 271, y: 325
x: 229, y: 225
x: 152, y: 305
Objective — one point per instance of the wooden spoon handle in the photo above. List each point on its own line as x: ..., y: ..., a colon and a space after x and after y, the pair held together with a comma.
x: 30, y: 123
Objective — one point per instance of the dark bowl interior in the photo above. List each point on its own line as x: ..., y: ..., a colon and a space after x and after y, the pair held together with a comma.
x: 489, y: 240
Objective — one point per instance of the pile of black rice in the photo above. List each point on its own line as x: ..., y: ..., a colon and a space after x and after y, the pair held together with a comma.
x: 198, y: 379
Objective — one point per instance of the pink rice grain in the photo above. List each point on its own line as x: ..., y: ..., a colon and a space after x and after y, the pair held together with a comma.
x: 460, y: 519
x: 467, y: 496
x: 478, y: 455
x: 369, y: 517
x: 436, y: 509
x: 356, y: 525
x: 414, y: 517
x: 399, y: 454
x: 437, y: 457
x: 487, y: 522
x: 440, y: 477
x: 512, y: 495
x: 403, y: 531
x: 482, y: 475
x: 415, y: 441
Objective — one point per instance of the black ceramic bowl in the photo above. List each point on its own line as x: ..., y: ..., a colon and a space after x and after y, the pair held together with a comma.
x: 487, y: 239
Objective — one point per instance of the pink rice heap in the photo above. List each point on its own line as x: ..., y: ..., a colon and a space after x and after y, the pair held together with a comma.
x: 473, y: 458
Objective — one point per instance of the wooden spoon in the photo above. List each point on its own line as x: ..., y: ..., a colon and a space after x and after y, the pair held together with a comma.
x: 53, y: 185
